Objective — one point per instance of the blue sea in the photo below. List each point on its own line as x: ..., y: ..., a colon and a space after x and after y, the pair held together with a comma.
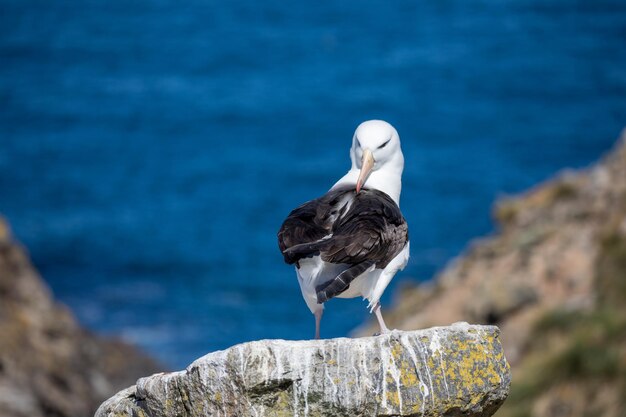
x: 149, y: 150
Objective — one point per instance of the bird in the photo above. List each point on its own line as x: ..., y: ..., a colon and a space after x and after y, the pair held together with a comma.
x: 351, y: 241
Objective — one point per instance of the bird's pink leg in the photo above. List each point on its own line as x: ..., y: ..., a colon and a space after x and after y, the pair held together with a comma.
x: 379, y: 317
x: 318, y: 319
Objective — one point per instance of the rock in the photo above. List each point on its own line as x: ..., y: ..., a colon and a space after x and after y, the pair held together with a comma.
x: 5, y: 231
x: 50, y: 365
x: 452, y: 371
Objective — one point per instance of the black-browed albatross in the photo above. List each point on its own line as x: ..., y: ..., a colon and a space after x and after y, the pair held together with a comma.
x: 351, y: 241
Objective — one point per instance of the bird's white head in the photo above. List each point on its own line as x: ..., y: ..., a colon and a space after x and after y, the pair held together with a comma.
x: 377, y: 160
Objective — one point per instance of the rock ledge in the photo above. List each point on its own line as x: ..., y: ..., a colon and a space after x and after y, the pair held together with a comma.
x: 452, y: 371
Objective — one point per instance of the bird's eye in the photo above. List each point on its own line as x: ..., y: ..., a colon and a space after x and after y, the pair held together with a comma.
x: 358, y: 144
x: 384, y: 144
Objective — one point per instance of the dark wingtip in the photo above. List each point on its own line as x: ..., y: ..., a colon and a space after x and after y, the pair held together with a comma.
x: 297, y: 252
x: 294, y: 256
x: 322, y: 297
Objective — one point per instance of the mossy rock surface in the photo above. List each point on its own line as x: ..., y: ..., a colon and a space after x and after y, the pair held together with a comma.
x: 454, y: 370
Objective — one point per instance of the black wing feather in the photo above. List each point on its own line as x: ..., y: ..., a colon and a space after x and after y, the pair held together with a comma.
x: 308, y: 224
x: 372, y: 229
x: 341, y: 282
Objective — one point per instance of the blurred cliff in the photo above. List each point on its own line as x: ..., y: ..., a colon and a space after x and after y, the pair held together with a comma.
x: 49, y: 365
x: 554, y: 279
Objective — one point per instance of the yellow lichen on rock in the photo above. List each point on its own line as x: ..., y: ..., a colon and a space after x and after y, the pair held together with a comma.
x: 430, y: 372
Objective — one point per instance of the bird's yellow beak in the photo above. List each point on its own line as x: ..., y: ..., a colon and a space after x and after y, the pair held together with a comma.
x: 367, y: 163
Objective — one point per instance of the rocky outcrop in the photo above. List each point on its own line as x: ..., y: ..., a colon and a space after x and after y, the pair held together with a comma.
x: 452, y: 371
x: 553, y: 279
x: 49, y: 365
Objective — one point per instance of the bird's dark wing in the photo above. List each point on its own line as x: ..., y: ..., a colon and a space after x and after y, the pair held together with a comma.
x: 341, y: 282
x: 372, y: 229
x: 308, y: 224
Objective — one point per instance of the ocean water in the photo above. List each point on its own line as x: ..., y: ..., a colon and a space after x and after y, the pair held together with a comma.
x: 149, y: 150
